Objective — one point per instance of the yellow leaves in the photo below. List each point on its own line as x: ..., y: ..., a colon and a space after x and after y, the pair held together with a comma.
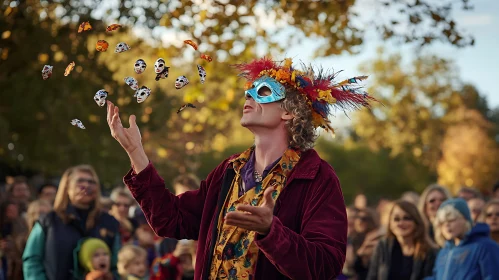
x: 417, y: 152
x: 229, y: 95
x: 189, y: 145
x: 58, y: 56
x: 468, y: 152
x: 43, y: 57
x: 5, y: 53
x: 93, y: 118
x: 219, y: 143
x: 202, y: 15
x: 162, y: 152
x: 6, y: 34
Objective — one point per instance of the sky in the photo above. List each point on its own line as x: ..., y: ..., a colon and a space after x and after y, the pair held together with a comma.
x: 478, y: 64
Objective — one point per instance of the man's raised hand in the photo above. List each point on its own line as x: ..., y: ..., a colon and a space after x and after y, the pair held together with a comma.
x: 129, y: 138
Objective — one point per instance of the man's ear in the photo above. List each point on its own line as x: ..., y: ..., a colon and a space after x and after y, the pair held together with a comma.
x: 287, y: 115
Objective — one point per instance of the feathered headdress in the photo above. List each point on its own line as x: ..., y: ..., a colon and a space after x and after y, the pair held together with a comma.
x: 323, y: 94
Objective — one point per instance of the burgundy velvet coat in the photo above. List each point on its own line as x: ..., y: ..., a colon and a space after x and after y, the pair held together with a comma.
x: 308, y: 236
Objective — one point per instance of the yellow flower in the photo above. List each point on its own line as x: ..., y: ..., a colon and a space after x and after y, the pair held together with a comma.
x: 288, y: 62
x: 325, y: 95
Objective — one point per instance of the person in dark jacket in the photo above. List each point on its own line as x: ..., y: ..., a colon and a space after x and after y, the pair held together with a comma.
x: 468, y: 251
x: 407, y: 251
x: 275, y: 211
x: 77, y: 214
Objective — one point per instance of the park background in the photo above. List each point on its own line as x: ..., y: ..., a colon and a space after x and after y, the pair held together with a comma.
x: 432, y: 65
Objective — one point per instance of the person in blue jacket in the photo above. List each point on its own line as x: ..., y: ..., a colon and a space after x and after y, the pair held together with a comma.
x: 468, y: 252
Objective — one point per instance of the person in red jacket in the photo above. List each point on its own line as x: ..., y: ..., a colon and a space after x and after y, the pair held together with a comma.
x: 276, y: 210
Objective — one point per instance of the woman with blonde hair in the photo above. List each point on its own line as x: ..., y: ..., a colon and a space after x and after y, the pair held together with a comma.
x: 431, y: 198
x: 36, y: 209
x: 490, y: 216
x: 407, y: 251
x: 77, y: 214
x: 468, y: 252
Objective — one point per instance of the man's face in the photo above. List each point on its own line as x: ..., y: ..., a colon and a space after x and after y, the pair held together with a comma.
x: 48, y: 193
x: 21, y: 192
x: 268, y: 115
x: 466, y: 195
x: 476, y: 205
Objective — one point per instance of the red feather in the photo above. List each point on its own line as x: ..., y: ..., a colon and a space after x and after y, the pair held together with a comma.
x: 252, y: 70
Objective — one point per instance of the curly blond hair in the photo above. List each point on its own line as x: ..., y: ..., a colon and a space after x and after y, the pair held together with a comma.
x: 126, y: 255
x: 300, y: 128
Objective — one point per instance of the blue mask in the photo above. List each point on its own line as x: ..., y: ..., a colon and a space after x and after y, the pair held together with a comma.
x: 278, y: 91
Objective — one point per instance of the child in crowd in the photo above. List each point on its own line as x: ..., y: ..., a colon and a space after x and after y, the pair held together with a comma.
x: 93, y: 255
x: 132, y: 263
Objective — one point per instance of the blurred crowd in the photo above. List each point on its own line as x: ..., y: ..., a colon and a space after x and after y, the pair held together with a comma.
x: 70, y: 229
x: 431, y: 235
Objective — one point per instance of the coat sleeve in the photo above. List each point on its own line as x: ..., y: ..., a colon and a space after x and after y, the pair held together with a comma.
x: 318, y: 251
x: 375, y: 262
x: 488, y: 262
x: 168, y: 215
x: 33, y: 255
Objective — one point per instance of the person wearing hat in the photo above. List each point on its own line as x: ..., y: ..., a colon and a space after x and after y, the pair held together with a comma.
x: 94, y: 257
x: 468, y: 252
x: 274, y: 211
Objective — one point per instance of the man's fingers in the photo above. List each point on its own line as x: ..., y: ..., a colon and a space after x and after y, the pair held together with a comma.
x: 109, y: 111
x: 132, y: 121
x: 116, y: 116
x: 242, y: 217
x: 268, y: 201
x: 255, y: 210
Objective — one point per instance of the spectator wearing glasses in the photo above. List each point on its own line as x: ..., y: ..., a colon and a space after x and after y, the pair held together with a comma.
x: 491, y: 218
x: 122, y: 200
x: 431, y: 198
x: 407, y: 251
x: 77, y: 214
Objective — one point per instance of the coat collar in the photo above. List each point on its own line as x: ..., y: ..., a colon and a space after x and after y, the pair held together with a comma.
x: 308, y: 166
